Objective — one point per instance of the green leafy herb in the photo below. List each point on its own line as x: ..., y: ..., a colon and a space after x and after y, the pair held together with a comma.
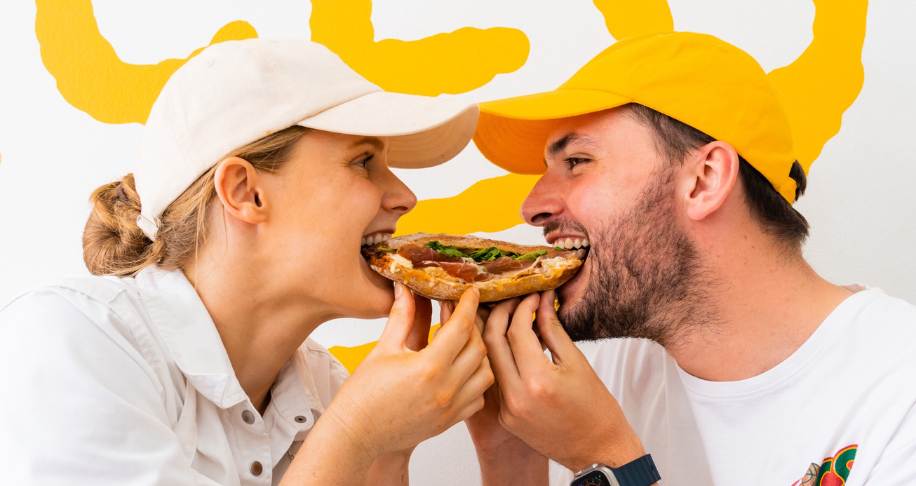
x: 446, y: 250
x: 486, y: 254
x: 532, y: 255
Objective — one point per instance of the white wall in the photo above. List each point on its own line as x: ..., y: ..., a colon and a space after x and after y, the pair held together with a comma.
x: 861, y: 200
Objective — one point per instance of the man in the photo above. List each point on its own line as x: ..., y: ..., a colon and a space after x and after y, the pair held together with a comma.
x: 670, y: 158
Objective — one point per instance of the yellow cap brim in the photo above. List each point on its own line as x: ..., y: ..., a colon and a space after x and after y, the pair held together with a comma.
x: 512, y: 132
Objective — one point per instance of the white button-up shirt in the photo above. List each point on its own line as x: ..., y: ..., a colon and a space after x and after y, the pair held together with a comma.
x: 126, y: 381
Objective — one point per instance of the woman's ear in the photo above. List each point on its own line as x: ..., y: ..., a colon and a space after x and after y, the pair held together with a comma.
x: 238, y: 188
x: 712, y: 173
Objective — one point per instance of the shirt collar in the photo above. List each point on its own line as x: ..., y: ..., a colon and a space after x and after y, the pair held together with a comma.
x: 188, y: 332
x: 294, y: 403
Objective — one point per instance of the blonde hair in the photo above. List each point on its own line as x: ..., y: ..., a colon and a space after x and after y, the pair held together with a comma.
x: 113, y: 244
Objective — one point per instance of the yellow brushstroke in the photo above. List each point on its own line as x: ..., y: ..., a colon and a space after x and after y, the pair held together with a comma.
x: 89, y: 73
x: 455, y: 62
x: 826, y: 79
x: 352, y: 356
x: 489, y: 206
x: 628, y: 18
x: 816, y: 89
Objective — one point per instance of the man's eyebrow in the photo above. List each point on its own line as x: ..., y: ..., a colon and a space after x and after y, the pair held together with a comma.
x: 559, y: 145
x: 374, y: 141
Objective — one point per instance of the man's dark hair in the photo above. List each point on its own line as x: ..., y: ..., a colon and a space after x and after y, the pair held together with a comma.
x: 676, y: 140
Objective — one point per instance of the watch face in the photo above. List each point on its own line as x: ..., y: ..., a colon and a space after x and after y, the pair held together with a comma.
x: 594, y: 478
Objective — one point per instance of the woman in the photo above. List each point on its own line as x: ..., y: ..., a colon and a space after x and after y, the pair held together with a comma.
x: 264, y: 168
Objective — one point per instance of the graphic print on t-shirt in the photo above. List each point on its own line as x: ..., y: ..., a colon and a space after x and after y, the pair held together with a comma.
x: 833, y: 471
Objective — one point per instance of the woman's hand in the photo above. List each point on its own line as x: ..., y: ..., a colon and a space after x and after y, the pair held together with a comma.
x: 399, y: 397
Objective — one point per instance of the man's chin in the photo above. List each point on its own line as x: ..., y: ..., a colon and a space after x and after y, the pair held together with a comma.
x: 572, y: 292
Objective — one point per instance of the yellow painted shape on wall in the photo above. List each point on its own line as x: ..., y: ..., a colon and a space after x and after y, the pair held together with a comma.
x: 816, y: 89
x: 89, y: 73
x: 456, y: 62
x: 490, y: 205
x: 629, y: 18
x: 826, y: 79
x: 352, y: 356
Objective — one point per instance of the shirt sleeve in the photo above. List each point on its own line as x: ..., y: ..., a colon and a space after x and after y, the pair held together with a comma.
x: 896, y: 466
x: 80, y: 406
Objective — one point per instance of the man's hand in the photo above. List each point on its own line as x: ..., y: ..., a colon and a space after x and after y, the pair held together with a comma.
x: 560, y: 407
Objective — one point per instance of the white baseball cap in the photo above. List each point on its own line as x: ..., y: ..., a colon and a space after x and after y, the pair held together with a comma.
x: 237, y: 92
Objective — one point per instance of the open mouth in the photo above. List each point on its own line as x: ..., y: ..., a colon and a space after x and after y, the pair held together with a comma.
x: 375, y: 238
x: 368, y: 241
x: 580, y: 244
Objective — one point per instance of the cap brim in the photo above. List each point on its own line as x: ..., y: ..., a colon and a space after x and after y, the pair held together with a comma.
x: 512, y: 132
x: 422, y: 131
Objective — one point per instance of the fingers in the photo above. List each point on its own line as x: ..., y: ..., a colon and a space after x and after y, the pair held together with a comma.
x: 470, y: 409
x: 400, y: 318
x: 526, y: 348
x: 469, y: 361
x: 455, y: 332
x: 419, y: 334
x: 445, y: 310
x: 551, y: 330
x: 474, y: 389
x: 498, y: 350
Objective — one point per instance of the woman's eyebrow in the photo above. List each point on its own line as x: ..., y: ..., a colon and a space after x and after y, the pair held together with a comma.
x: 376, y: 143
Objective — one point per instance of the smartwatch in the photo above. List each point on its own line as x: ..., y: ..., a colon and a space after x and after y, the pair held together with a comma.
x: 641, y: 472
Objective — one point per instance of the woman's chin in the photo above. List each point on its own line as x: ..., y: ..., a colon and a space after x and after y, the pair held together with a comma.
x: 376, y: 294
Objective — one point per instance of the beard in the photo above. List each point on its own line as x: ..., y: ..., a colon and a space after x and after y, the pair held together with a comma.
x: 643, y: 280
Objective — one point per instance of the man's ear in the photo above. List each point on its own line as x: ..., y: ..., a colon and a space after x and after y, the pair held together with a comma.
x: 712, y: 172
x: 237, y: 185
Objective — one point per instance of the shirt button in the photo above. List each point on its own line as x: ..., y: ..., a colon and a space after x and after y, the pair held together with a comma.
x: 256, y: 468
x: 301, y: 419
x: 247, y: 417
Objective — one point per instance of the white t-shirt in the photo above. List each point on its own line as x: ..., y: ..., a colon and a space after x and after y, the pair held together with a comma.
x: 111, y: 381
x: 840, y: 410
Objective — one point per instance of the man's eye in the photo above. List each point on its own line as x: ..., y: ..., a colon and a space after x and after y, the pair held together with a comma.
x: 574, y: 161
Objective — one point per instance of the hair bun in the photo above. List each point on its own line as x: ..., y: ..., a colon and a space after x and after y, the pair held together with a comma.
x: 113, y: 244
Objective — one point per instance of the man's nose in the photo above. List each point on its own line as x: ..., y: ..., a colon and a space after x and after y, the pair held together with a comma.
x: 543, y: 203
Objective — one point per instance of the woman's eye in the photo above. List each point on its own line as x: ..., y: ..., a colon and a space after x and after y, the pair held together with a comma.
x: 364, y: 160
x: 574, y: 161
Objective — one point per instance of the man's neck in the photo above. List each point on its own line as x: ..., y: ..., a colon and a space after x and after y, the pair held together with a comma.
x: 767, y: 304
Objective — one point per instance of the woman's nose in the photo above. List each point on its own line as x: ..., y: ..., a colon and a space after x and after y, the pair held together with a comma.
x: 398, y: 197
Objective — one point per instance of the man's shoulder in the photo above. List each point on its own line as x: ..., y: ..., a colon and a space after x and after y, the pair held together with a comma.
x: 878, y: 329
x: 883, y: 317
x: 893, y: 310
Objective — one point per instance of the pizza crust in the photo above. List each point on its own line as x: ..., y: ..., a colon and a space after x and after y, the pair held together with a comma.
x: 547, y: 273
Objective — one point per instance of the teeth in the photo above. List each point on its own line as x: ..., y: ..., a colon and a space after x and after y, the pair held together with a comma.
x: 571, y: 243
x: 375, y: 239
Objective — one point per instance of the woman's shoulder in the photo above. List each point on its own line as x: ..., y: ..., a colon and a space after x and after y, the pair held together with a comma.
x: 88, y: 314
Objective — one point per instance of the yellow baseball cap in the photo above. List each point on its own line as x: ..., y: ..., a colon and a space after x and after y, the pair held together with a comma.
x: 697, y: 79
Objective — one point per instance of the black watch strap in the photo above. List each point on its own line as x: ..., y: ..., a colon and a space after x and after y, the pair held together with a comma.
x: 641, y: 472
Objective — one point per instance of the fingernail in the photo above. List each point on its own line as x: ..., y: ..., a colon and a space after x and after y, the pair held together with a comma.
x: 398, y: 290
